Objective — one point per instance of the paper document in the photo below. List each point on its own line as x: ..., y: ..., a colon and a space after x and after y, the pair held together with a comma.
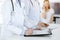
x: 45, y: 31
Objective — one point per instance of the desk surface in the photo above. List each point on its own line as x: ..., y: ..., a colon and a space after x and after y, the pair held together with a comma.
x: 55, y: 36
x: 57, y: 15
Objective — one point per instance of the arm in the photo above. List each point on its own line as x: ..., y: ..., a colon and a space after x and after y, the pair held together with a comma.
x: 26, y: 13
x: 43, y: 18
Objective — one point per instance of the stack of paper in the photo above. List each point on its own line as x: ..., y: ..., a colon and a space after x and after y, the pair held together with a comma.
x: 45, y: 31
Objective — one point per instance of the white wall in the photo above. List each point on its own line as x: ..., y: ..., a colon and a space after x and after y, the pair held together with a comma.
x: 51, y: 1
x: 54, y: 0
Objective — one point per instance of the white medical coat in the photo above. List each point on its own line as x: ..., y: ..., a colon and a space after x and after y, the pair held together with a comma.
x: 32, y: 14
x: 12, y: 24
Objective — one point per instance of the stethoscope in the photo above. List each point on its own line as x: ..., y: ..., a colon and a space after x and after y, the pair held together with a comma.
x: 33, y: 3
x: 19, y: 1
x: 12, y: 11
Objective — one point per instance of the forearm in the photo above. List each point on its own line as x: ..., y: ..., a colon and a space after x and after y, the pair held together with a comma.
x: 44, y: 20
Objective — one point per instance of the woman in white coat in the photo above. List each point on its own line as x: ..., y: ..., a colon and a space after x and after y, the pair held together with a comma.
x: 47, y: 15
x: 13, y: 18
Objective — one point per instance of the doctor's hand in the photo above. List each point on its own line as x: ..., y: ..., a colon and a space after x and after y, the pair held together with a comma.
x: 29, y: 31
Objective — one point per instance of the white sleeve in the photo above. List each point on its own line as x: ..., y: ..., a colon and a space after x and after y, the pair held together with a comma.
x: 51, y: 12
x: 44, y: 20
x: 26, y: 12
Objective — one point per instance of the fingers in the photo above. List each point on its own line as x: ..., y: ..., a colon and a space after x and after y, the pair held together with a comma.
x: 29, y: 32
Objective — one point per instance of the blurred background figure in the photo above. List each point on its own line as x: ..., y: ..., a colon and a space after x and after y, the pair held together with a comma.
x: 47, y: 14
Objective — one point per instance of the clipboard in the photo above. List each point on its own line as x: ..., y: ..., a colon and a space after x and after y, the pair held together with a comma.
x: 39, y: 35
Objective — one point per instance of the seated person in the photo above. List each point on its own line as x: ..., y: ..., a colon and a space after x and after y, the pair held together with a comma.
x: 46, y: 16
